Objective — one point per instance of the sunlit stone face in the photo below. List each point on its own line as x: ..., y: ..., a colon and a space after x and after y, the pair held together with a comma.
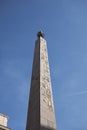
x: 3, y: 120
x: 46, y: 99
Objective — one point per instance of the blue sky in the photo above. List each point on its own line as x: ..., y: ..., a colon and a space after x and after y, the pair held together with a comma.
x: 64, y: 23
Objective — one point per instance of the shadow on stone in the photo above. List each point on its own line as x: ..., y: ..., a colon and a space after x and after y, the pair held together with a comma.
x: 46, y: 128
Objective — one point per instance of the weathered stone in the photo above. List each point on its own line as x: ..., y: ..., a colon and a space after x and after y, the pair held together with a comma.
x: 3, y: 122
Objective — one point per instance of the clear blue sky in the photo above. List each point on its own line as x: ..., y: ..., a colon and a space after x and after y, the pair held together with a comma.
x: 64, y: 23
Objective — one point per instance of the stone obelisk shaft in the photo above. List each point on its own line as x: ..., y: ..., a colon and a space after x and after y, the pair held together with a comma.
x: 41, y: 114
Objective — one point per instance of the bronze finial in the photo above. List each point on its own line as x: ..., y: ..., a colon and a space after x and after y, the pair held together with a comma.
x: 40, y: 34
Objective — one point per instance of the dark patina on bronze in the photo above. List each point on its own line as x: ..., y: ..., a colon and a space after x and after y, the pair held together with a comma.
x: 40, y: 34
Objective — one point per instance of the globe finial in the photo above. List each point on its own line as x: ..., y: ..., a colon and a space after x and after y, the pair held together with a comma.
x: 40, y: 34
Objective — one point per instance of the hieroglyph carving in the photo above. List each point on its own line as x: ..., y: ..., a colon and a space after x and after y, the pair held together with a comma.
x: 45, y: 78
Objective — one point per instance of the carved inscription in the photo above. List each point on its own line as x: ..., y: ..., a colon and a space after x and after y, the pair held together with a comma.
x: 45, y: 78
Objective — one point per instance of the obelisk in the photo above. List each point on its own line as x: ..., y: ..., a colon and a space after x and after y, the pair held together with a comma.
x: 41, y: 115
